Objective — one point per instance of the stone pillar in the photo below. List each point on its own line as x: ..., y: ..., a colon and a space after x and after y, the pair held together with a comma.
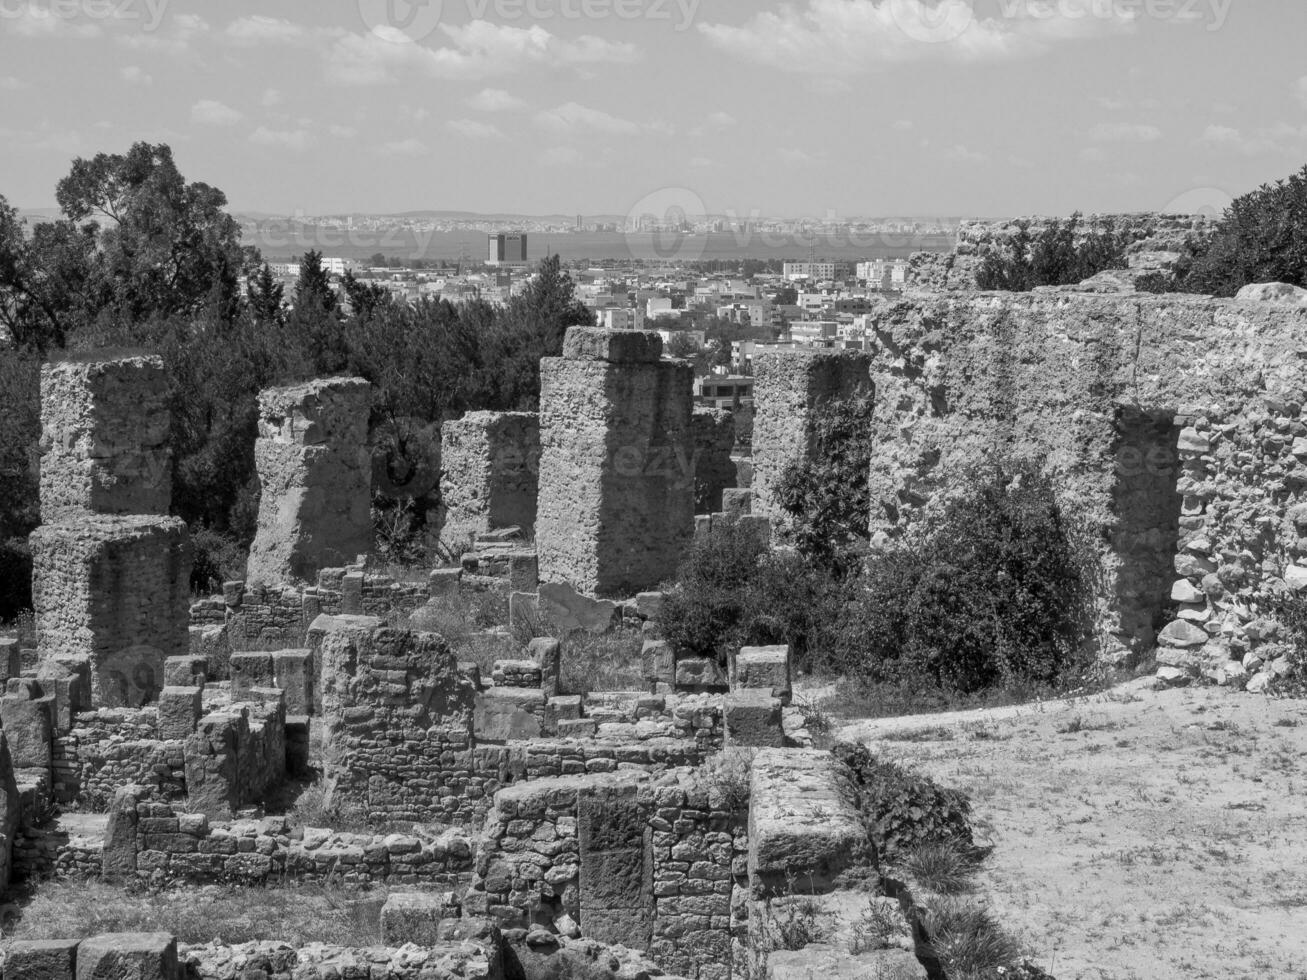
x: 104, y: 438
x: 114, y: 591
x: 714, y: 469
x: 616, y: 508
x: 315, y: 476
x: 790, y: 388
x: 490, y: 470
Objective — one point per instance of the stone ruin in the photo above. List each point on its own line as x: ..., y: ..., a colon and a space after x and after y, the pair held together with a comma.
x: 490, y: 474
x: 315, y: 473
x: 616, y: 507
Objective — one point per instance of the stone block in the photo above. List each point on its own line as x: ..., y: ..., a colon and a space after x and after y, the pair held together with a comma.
x: 293, y: 672
x: 700, y: 674
x: 68, y: 680
x: 214, y: 645
x: 248, y: 671
x: 765, y: 668
x: 658, y: 662
x: 444, y: 582
x: 29, y: 728
x: 11, y: 664
x: 562, y: 608
x: 180, y: 709
x: 490, y: 464
x: 118, y: 856
x: 508, y: 714
x: 128, y: 956
x: 523, y: 571
x: 416, y: 918
x: 560, y: 709
x: 577, y: 728
x: 212, y: 761
x: 612, y: 346
x: 115, y: 590
x: 42, y: 959
x: 548, y: 653
x: 190, y: 670
x: 351, y: 594
x: 802, y: 824
x: 753, y: 719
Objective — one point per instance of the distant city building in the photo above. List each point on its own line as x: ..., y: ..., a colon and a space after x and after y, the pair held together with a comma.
x: 814, y: 271
x: 723, y: 391
x: 507, y: 250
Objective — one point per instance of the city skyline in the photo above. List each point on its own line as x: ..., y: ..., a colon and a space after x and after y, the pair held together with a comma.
x: 535, y: 107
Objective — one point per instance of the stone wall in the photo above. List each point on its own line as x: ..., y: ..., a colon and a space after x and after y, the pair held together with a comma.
x: 789, y: 388
x: 105, y: 438
x: 109, y: 748
x: 1171, y: 425
x: 714, y: 469
x: 315, y: 480
x: 490, y: 474
x: 616, y: 506
x: 113, y: 591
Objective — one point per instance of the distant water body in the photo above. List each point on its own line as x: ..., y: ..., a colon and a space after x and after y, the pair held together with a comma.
x: 281, y: 240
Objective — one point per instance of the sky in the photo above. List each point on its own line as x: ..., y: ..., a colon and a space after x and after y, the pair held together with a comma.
x: 806, y: 108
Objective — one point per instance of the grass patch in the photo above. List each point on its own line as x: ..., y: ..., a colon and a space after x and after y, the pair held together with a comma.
x: 297, y: 913
x: 602, y: 662
x: 942, y: 867
x: 795, y: 923
x: 970, y: 944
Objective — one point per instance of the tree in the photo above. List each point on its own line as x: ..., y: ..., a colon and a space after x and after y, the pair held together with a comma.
x: 378, y: 261
x: 1062, y: 254
x: 364, y: 297
x: 266, y: 296
x: 313, y: 290
x: 167, y: 247
x: 1262, y: 237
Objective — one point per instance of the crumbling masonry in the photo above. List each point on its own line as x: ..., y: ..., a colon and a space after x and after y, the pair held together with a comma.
x: 490, y: 461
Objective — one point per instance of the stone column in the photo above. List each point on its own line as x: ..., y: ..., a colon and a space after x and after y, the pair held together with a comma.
x: 490, y: 470
x: 790, y: 388
x: 315, y: 474
x: 616, y: 507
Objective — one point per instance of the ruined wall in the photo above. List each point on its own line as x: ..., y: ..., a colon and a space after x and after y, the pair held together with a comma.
x: 109, y: 748
x: 616, y: 471
x: 490, y: 471
x: 714, y: 469
x: 113, y: 590
x: 789, y: 389
x: 104, y: 438
x: 315, y: 480
x: 1151, y: 235
x: 1172, y: 425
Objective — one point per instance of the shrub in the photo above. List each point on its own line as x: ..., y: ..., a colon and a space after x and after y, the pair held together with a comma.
x: 1289, y: 608
x: 970, y: 944
x: 905, y: 812
x: 995, y: 591
x: 1061, y: 255
x: 218, y: 558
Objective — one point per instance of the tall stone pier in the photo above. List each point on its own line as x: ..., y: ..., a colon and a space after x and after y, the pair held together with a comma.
x: 315, y: 474
x: 490, y: 469
x: 111, y: 571
x: 616, y: 505
x: 790, y: 388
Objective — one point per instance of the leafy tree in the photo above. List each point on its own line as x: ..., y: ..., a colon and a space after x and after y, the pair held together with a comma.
x: 1062, y: 254
x: 364, y: 297
x: 266, y: 296
x: 1262, y: 237
x: 379, y: 261
x: 786, y: 296
x: 314, y: 293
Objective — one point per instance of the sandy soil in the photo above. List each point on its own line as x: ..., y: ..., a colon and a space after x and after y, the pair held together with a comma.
x: 1136, y: 834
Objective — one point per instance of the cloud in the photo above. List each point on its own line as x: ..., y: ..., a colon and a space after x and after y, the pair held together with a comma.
x: 8, y: 83
x: 904, y: 125
x: 723, y: 120
x: 479, y: 49
x: 574, y: 118
x: 134, y: 75
x: 848, y: 37
x: 965, y: 154
x: 257, y: 29
x: 796, y: 157
x: 1281, y: 137
x: 208, y: 112
x: 473, y: 130
x: 182, y: 29
x: 1221, y: 136
x: 562, y: 156
x: 271, y: 97
x: 290, y: 139
x: 404, y: 148
x: 342, y: 132
x: 1125, y: 133
x: 495, y: 100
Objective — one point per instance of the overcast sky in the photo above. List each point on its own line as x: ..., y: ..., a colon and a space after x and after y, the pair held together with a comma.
x: 863, y: 107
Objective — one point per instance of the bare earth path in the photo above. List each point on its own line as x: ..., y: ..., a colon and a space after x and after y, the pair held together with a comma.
x: 1136, y: 834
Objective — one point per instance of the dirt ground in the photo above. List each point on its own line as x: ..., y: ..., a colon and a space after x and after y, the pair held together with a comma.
x: 1136, y: 834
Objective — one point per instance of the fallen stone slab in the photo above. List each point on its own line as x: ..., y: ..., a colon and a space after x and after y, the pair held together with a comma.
x: 802, y: 825
x: 42, y: 959
x: 506, y: 714
x: 128, y: 956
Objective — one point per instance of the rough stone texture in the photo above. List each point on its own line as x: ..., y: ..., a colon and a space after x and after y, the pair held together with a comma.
x: 29, y: 729
x: 802, y: 823
x: 616, y: 505
x: 393, y: 702
x: 315, y: 477
x: 562, y: 608
x: 118, y: 856
x: 115, y: 590
x: 128, y: 956
x: 1281, y: 293
x: 41, y: 959
x: 293, y: 674
x: 753, y: 719
x: 10, y: 813
x: 766, y: 668
x: 505, y: 714
x: 490, y: 470
x: 236, y: 755
x: 248, y: 671
x: 104, y: 438
x: 188, y: 670
x: 180, y: 709
x: 790, y: 388
x: 463, y: 954
x: 714, y: 469
x: 1172, y: 425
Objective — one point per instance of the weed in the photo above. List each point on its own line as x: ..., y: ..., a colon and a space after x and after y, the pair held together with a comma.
x: 795, y: 923
x: 942, y: 867
x: 881, y: 926
x: 970, y: 944
x: 727, y: 775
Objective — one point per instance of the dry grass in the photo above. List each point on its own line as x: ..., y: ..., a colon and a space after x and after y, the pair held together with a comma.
x: 607, y: 662
x: 943, y: 868
x: 296, y: 913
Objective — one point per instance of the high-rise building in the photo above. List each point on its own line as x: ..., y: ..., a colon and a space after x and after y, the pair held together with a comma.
x: 507, y: 250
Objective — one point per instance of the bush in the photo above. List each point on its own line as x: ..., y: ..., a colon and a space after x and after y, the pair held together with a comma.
x: 1060, y: 255
x: 905, y: 812
x: 218, y: 558
x: 731, y: 591
x: 1262, y: 237
x: 993, y: 592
